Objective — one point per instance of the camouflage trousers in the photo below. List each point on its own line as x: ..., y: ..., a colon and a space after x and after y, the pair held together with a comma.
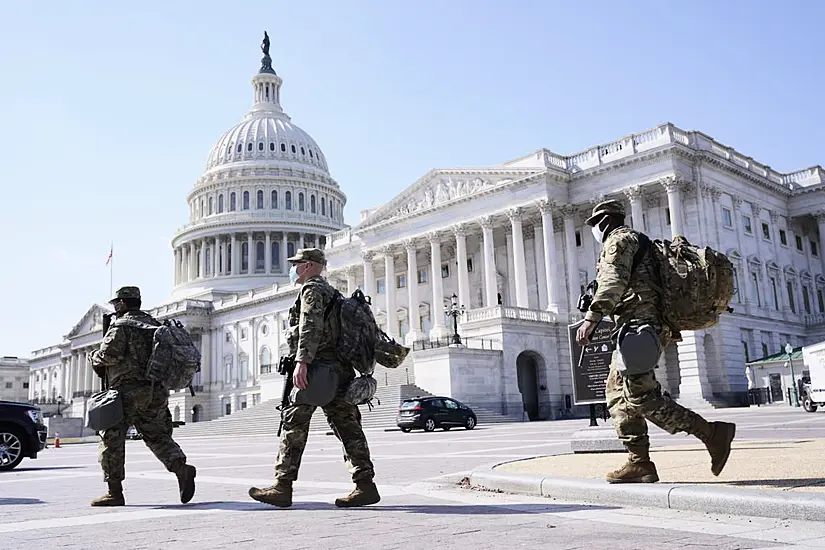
x: 148, y: 411
x: 632, y: 400
x: 345, y: 421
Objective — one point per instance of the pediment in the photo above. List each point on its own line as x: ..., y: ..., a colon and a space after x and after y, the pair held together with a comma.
x: 439, y: 187
x: 91, y: 321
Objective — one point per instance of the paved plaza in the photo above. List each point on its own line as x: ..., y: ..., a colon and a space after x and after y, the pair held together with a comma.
x: 47, y: 500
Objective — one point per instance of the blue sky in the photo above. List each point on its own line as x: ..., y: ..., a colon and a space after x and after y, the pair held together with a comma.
x: 108, y: 110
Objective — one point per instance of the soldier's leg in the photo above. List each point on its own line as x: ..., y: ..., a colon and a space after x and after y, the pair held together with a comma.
x: 112, y: 458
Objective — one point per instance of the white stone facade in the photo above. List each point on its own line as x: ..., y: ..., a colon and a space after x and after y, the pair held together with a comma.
x: 14, y: 379
x: 508, y: 240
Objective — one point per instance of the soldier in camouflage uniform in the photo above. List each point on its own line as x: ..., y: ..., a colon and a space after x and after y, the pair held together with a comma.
x: 121, y: 361
x: 630, y: 297
x: 311, y: 341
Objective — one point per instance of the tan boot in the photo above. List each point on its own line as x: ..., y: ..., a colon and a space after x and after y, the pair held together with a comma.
x: 364, y: 494
x: 637, y: 469
x: 186, y: 482
x: 113, y: 498
x: 717, y: 437
x: 279, y: 495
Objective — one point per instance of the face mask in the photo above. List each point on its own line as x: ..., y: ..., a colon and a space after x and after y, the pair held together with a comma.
x: 293, y: 273
x: 598, y: 233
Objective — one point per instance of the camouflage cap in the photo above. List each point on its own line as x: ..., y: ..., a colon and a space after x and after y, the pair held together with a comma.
x: 126, y: 292
x: 309, y: 255
x: 605, y: 208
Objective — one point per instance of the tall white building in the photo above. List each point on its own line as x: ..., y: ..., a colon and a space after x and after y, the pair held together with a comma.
x: 508, y: 240
x: 14, y: 379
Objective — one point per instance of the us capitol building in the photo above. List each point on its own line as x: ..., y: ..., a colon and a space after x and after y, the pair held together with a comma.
x: 508, y: 240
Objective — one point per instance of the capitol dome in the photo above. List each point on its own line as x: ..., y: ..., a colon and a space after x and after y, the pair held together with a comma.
x: 265, y: 193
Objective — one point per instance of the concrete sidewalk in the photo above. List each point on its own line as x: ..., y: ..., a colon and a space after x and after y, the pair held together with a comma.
x: 772, y: 478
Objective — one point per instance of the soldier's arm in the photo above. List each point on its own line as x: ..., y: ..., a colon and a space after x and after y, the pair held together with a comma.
x: 311, y: 324
x: 615, y: 263
x: 112, y: 350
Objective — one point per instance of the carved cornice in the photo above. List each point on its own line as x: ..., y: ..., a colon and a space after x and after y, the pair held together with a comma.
x: 367, y: 255
x: 546, y: 206
x: 634, y: 193
x: 434, y: 237
x: 486, y: 222
x: 459, y: 230
x: 715, y: 194
x: 774, y: 215
x: 819, y: 216
x: 737, y: 203
x: 388, y: 251
x: 756, y: 209
x: 410, y: 246
x: 514, y: 214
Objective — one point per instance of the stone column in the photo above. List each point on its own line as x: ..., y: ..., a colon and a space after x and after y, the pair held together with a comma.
x: 267, y: 253
x: 352, y: 283
x: 674, y: 203
x: 389, y: 288
x: 233, y: 254
x: 176, y: 253
x: 251, y: 257
x: 460, y: 231
x: 820, y: 220
x: 369, y: 275
x: 744, y: 271
x: 694, y: 387
x: 634, y: 195
x: 551, y: 261
x: 284, y: 252
x: 213, y: 253
x: 202, y: 259
x: 519, y: 262
x: 438, y: 329
x: 490, y: 275
x: 206, y: 358
x: 87, y: 369
x: 300, y: 240
x: 414, y: 316
x: 573, y: 286
x: 193, y: 262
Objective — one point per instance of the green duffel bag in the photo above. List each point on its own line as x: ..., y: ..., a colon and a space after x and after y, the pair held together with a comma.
x: 104, y: 410
x: 323, y: 380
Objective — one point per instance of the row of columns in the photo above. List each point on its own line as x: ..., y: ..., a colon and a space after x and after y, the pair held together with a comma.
x: 75, y: 375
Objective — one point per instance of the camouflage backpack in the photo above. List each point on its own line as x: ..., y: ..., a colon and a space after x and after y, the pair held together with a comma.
x: 175, y: 359
x: 696, y: 284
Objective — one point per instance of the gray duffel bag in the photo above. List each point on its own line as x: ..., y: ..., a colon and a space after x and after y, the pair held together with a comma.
x: 104, y: 410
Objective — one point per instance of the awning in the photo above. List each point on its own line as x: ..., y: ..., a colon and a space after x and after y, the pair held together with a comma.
x: 777, y: 358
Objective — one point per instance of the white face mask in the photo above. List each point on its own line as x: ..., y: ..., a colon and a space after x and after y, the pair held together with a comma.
x: 598, y: 233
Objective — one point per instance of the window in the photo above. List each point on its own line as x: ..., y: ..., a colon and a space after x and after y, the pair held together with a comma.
x: 290, y: 249
x: 791, y: 302
x: 303, y: 152
x: 260, y: 260
x: 450, y: 404
x: 775, y: 294
x: 746, y: 221
x: 799, y: 243
x: 821, y: 299
x: 379, y: 286
x: 469, y: 265
x: 806, y: 299
x: 246, y: 200
x: 264, y: 329
x: 276, y: 254
x: 232, y: 202
x: 765, y: 349
x: 239, y: 148
x: 266, y: 356
x: 783, y: 237
x: 766, y: 231
x: 288, y: 200
x: 814, y: 248
x: 312, y: 204
x: 243, y: 367
x: 25, y: 385
x: 243, y: 334
x: 228, y: 337
x: 260, y: 146
x: 445, y: 271
x: 283, y: 147
x: 578, y: 238
x: 727, y: 217
x: 758, y: 294
x: 220, y: 204
x: 249, y: 146
x: 210, y: 208
x: 422, y: 276
x: 260, y: 200
x: 323, y: 205
x: 293, y: 149
x: 310, y: 153
x: 403, y: 326
x: 401, y: 281
x: 736, y: 286
x: 273, y: 200
x: 747, y: 355
x: 9, y: 385
x: 301, y: 202
x: 244, y: 256
x: 272, y: 146
x: 228, y: 371
x: 667, y: 216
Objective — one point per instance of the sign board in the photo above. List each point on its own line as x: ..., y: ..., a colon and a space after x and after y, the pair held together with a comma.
x: 591, y: 365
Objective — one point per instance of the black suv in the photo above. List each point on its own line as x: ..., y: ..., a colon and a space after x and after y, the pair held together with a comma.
x: 22, y: 433
x: 429, y: 413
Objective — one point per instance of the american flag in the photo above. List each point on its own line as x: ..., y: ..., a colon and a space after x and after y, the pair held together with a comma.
x: 109, y: 258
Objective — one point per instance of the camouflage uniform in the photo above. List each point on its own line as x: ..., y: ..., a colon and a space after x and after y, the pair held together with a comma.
x: 121, y: 361
x: 629, y: 296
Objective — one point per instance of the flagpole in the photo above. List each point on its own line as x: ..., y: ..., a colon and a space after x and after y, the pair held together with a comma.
x: 111, y: 266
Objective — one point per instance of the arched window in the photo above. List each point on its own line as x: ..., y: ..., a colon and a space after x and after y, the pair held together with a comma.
x: 293, y: 149
x: 232, y: 202
x: 249, y: 146
x: 323, y: 206
x: 283, y: 147
x: 276, y: 255
x: 246, y: 200
x: 260, y: 262
x: 301, y: 202
x: 290, y: 249
x: 266, y: 357
x: 312, y: 203
x: 202, y: 207
x: 220, y: 203
x: 239, y: 148
x: 260, y: 200
x: 211, y: 205
x: 288, y: 200
x: 271, y: 145
x: 244, y: 256
x: 260, y: 146
x: 303, y: 152
x: 274, y: 200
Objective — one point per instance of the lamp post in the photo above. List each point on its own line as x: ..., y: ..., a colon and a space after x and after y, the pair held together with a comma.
x: 789, y: 351
x: 59, y: 402
x: 454, y: 311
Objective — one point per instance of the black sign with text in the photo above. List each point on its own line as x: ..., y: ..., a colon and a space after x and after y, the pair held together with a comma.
x: 590, y: 369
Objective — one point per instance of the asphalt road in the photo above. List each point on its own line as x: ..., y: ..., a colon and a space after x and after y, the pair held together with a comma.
x: 46, y: 502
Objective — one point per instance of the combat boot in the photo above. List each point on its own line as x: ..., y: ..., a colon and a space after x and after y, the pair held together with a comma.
x: 637, y: 469
x: 186, y: 482
x: 364, y: 494
x: 279, y: 495
x: 717, y: 437
x: 113, y: 498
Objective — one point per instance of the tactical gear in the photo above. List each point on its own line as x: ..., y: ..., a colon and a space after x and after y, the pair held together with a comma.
x: 637, y: 469
x: 175, y: 359
x: 279, y: 494
x: 364, y: 494
x: 309, y: 255
x: 186, y: 482
x: 605, y: 208
x: 113, y: 498
x: 104, y: 410
x: 639, y: 348
x: 126, y: 292
x: 695, y: 284
x: 717, y: 437
x: 361, y: 391
x: 388, y: 352
x: 323, y: 381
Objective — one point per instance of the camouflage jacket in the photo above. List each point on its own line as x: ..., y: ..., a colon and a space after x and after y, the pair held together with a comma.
x: 125, y: 351
x: 623, y: 295
x: 310, y: 335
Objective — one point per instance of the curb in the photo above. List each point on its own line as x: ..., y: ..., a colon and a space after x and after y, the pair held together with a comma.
x: 689, y: 497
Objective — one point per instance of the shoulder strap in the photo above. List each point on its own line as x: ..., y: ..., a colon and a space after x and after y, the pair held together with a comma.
x: 644, y: 246
x: 134, y: 323
x: 335, y: 297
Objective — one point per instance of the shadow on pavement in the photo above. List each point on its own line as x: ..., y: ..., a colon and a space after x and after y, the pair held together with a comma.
x: 485, y: 510
x: 18, y: 501
x: 48, y: 468
x: 779, y: 483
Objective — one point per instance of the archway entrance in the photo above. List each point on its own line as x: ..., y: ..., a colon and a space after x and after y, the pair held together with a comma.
x: 196, y: 413
x: 527, y: 373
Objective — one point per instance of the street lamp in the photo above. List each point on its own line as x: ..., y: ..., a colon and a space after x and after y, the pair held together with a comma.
x: 789, y: 351
x: 454, y: 311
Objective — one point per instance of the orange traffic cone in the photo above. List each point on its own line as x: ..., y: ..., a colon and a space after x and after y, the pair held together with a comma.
x: 57, y: 440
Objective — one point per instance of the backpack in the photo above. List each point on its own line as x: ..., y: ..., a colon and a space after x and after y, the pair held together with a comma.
x: 175, y: 359
x: 695, y: 284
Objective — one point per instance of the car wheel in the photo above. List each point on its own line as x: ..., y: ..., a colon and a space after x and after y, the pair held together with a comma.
x: 809, y: 405
x: 406, y: 430
x: 470, y: 423
x: 11, y: 449
x: 429, y: 425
